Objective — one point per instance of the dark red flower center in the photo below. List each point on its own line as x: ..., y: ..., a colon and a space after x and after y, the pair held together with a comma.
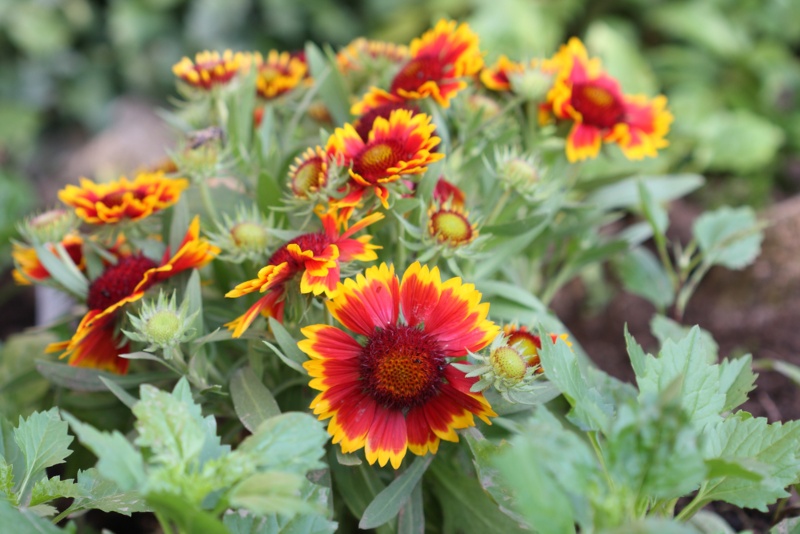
x: 118, y: 281
x: 116, y: 198
x: 598, y: 105
x: 401, y: 366
x: 315, y: 242
x: 364, y: 123
x: 418, y: 71
x: 375, y: 158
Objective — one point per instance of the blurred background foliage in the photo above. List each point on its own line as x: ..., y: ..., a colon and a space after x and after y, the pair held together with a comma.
x: 729, y: 67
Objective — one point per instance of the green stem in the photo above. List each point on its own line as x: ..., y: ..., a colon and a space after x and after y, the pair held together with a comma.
x: 57, y: 519
x: 599, y: 453
x: 208, y: 202
x: 693, y: 507
x: 498, y: 208
x: 689, y: 288
x: 165, y: 526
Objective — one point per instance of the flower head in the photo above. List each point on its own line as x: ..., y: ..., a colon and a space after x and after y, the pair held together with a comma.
x: 97, y: 342
x: 315, y: 256
x: 364, y: 54
x: 245, y: 236
x: 162, y: 323
x: 29, y: 268
x: 529, y: 344
x: 397, y: 390
x: 278, y: 74
x: 498, y: 76
x: 450, y: 225
x: 309, y: 172
x: 112, y: 202
x: 438, y: 60
x: 50, y: 226
x: 208, y: 68
x: 397, y: 146
x: 600, y: 112
x: 449, y: 192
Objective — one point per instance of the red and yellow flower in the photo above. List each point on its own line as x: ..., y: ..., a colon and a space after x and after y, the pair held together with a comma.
x: 498, y: 76
x: 593, y: 100
x: 450, y: 225
x: 208, y: 68
x: 309, y: 172
x: 401, y: 145
x: 529, y: 344
x: 397, y: 391
x: 29, y: 269
x: 449, y: 192
x: 278, y: 74
x: 107, y: 203
x: 97, y: 342
x: 316, y: 256
x: 439, y: 59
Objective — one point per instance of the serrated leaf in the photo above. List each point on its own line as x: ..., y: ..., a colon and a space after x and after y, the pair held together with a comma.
x: 11, y: 453
x: 665, y: 328
x: 44, y: 441
x: 489, y: 477
x: 7, y: 482
x: 243, y: 522
x: 730, y: 237
x: 756, y: 441
x: 25, y: 521
x: 690, y: 361
x: 291, y: 442
x: 48, y: 489
x: 388, y: 502
x: 737, y: 379
x: 636, y: 353
x: 118, y: 460
x: 252, y: 401
x: 104, y: 495
x: 271, y: 492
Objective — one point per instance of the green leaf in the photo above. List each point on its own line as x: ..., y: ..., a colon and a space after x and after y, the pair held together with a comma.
x: 730, y: 237
x: 652, y: 448
x: 291, y: 442
x: 271, y: 492
x: 652, y: 525
x: 287, y: 343
x: 7, y: 482
x: 118, y: 461
x: 653, y: 212
x: 411, y: 519
x: 63, y: 270
x: 665, y: 328
x: 48, y: 489
x: 757, y: 442
x: 99, y: 494
x: 86, y: 379
x: 736, y: 380
x: 25, y: 521
x: 642, y: 274
x: 636, y: 353
x: 739, y: 141
x: 466, y: 507
x: 389, y: 501
x: 721, y: 467
x: 194, y: 295
x: 44, y: 440
x: 181, y: 218
x: 708, y: 522
x: 483, y: 455
x: 252, y: 401
x: 691, y: 362
x: 126, y: 398
x: 333, y: 89
x: 625, y: 193
x: 191, y: 519
x: 592, y: 394
x: 358, y: 486
x: 13, y: 458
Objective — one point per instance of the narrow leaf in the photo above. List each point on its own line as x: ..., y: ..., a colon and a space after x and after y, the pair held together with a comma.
x: 252, y: 401
x: 389, y: 502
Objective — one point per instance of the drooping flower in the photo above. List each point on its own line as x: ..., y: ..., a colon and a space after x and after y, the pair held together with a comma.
x: 309, y: 172
x: 28, y: 267
x: 97, y: 342
x: 498, y: 76
x: 600, y: 112
x: 398, y: 390
x: 108, y: 203
x: 439, y: 59
x: 208, y: 68
x: 278, y: 74
x: 315, y: 256
x: 529, y: 344
x: 401, y: 145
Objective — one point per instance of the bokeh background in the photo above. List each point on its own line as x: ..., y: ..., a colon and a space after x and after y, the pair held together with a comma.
x: 81, y: 82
